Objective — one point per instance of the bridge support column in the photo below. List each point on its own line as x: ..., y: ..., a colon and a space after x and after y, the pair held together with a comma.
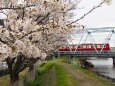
x: 113, y: 60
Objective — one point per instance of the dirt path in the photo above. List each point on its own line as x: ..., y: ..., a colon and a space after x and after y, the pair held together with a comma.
x: 82, y: 79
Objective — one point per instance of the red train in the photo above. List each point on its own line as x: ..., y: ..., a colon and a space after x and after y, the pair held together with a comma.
x: 85, y: 47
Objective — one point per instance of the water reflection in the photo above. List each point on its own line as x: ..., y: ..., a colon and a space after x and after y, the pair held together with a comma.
x: 104, y: 67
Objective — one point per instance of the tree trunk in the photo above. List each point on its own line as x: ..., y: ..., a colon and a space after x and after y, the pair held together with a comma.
x: 14, y: 78
x: 13, y: 70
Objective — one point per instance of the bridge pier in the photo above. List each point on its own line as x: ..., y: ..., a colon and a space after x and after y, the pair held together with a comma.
x: 113, y: 60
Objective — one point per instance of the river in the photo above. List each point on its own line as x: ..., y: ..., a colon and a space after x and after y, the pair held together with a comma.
x: 104, y: 67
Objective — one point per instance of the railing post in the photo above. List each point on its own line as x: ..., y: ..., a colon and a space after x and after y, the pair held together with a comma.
x: 113, y: 60
x: 58, y: 54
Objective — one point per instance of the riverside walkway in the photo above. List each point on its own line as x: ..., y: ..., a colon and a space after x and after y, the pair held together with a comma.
x: 77, y: 76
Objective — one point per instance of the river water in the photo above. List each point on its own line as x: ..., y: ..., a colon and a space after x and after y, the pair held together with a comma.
x: 104, y: 67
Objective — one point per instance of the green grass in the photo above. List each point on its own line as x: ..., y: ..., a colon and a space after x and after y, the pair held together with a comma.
x: 44, y: 67
x: 4, y: 80
x: 41, y: 70
x: 64, y: 78
x: 24, y: 72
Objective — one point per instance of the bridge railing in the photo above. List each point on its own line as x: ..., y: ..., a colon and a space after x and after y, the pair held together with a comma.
x: 85, y: 53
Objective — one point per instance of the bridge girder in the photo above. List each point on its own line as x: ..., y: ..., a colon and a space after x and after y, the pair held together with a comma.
x: 96, y: 30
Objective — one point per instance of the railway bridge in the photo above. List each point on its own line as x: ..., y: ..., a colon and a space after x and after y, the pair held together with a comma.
x: 107, y: 54
x: 84, y: 35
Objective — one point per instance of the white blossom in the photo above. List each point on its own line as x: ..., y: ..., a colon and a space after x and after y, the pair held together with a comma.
x: 40, y: 28
x: 43, y: 56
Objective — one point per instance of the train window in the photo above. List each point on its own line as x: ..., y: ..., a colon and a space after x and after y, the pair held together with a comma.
x: 89, y: 46
x: 92, y: 46
x: 103, y: 46
x: 98, y: 46
x: 84, y: 46
x: 69, y: 46
x: 79, y: 47
x: 73, y: 46
x: 95, y: 46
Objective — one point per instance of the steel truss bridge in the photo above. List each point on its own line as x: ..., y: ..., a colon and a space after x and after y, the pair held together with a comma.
x: 89, y: 32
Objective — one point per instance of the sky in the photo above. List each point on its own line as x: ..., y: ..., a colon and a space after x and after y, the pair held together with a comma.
x: 101, y: 17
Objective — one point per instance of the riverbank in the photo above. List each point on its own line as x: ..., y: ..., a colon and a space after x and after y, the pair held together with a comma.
x: 94, y: 76
x: 106, y: 77
x: 104, y: 67
x: 64, y: 74
x: 89, y: 66
x: 60, y: 73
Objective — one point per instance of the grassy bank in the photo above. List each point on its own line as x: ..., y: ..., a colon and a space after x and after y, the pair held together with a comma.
x: 40, y: 74
x: 64, y: 78
x: 5, y: 80
x: 59, y: 73
x: 52, y: 75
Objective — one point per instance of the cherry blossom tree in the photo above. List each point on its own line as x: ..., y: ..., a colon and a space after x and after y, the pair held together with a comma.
x: 34, y: 29
x: 31, y: 31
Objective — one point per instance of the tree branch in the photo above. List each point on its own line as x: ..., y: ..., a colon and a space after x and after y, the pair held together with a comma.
x: 32, y: 32
x: 40, y: 19
x: 15, y: 8
x: 4, y: 42
x: 95, y: 7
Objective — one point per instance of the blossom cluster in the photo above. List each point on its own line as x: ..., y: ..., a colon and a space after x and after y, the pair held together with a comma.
x: 34, y: 27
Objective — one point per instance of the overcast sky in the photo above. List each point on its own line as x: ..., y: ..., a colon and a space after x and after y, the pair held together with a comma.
x: 101, y: 17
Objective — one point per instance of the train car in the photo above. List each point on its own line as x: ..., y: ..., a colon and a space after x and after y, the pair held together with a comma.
x: 85, y: 47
